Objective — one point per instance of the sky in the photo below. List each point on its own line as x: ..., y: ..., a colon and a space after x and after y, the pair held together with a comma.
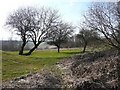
x: 70, y: 10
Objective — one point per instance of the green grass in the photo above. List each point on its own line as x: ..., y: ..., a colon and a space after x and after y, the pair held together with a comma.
x: 14, y: 65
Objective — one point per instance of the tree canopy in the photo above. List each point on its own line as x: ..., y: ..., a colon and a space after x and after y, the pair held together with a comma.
x: 105, y: 18
x: 33, y: 24
x: 60, y: 34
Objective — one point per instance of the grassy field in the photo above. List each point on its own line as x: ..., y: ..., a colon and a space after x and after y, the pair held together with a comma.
x: 14, y: 65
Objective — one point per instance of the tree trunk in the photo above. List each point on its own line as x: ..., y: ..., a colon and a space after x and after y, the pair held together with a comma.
x: 22, y: 48
x: 85, y: 45
x: 31, y: 50
x: 58, y: 49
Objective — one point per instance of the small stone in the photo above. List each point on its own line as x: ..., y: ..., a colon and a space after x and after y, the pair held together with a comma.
x: 23, y: 81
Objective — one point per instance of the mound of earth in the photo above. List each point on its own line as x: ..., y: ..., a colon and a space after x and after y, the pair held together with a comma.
x: 90, y: 70
x: 45, y: 79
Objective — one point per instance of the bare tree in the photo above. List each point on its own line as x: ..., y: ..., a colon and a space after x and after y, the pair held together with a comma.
x: 33, y: 24
x: 21, y: 21
x: 86, y: 36
x: 103, y: 17
x: 60, y: 34
x: 45, y: 20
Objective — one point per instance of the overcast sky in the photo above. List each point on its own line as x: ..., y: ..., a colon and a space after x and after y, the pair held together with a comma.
x: 70, y: 10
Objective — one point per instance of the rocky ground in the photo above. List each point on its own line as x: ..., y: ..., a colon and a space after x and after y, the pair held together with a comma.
x: 90, y: 70
x: 36, y: 80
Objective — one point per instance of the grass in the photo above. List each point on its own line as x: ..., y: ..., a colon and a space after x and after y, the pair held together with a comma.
x: 14, y: 65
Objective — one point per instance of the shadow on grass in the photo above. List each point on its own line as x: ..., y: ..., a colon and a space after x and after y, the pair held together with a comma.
x: 49, y: 58
x: 70, y: 53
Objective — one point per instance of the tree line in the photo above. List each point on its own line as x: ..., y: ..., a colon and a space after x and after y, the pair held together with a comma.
x: 102, y: 23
